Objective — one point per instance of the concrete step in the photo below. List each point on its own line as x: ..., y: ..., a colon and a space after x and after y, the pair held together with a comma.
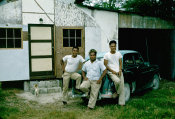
x: 47, y: 90
x: 45, y: 84
x: 51, y: 86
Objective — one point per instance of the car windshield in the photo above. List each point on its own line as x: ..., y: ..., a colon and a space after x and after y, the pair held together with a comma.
x: 138, y: 59
x: 128, y: 59
x: 132, y: 58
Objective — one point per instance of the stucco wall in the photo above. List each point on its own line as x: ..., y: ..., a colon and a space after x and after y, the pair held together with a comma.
x: 67, y: 14
x: 107, y: 23
x: 92, y: 39
x: 100, y: 26
x: 10, y: 13
x: 14, y: 64
x: 33, y: 10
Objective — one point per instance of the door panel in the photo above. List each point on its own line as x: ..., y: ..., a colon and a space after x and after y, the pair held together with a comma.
x: 41, y: 54
x: 38, y: 49
x: 41, y: 64
x: 38, y: 33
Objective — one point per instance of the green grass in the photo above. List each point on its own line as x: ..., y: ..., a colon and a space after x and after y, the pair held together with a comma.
x: 150, y: 104
x: 5, y: 109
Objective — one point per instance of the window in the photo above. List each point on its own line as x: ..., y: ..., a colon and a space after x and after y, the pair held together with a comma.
x: 138, y: 59
x: 128, y: 59
x: 72, y: 37
x: 10, y: 38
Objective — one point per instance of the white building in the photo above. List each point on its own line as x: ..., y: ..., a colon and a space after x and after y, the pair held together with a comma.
x: 36, y: 34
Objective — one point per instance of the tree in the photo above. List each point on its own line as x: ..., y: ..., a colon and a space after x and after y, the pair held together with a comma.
x: 158, y: 8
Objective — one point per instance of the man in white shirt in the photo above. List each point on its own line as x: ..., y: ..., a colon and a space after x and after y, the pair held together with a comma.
x: 69, y: 71
x: 93, y: 72
x: 113, y: 63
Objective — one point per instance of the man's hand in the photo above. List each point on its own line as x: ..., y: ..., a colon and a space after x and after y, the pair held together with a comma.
x: 114, y: 72
x: 119, y: 73
x: 62, y: 65
x: 99, y: 81
x: 85, y: 79
x: 63, y: 71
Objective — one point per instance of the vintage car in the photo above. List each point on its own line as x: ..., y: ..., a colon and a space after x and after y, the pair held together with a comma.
x: 138, y: 75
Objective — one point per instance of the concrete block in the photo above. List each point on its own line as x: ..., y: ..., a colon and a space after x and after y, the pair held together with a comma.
x: 32, y: 83
x: 51, y: 90
x: 59, y: 83
x: 26, y: 86
x: 57, y: 89
x: 54, y: 83
x: 42, y: 84
x: 32, y: 90
x: 51, y: 86
x: 48, y: 84
x: 43, y: 90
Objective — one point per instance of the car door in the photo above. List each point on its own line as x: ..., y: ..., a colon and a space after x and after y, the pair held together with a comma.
x: 130, y: 70
x: 142, y: 71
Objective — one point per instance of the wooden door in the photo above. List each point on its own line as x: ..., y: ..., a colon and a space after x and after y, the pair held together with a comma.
x: 66, y: 37
x: 41, y: 51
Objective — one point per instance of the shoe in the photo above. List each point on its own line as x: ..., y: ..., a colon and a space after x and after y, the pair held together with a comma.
x: 64, y: 103
x: 88, y: 108
x: 114, y: 95
x: 122, y: 105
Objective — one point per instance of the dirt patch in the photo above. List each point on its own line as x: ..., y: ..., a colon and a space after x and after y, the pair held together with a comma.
x: 42, y: 98
x: 51, y: 101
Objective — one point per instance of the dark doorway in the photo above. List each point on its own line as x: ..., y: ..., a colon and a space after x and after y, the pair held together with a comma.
x: 154, y: 45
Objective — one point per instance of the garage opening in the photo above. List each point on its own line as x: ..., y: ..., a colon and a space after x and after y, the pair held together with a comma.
x: 156, y: 46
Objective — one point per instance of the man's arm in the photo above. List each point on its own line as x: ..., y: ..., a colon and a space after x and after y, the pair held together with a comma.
x: 82, y: 60
x: 103, y: 74
x: 120, y: 66
x: 62, y: 65
x: 107, y: 67
x: 84, y: 76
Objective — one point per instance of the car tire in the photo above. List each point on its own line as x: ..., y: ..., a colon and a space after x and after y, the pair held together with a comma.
x: 127, y: 92
x: 155, y: 82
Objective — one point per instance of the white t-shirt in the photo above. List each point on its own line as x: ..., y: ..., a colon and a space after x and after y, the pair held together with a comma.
x: 72, y: 63
x: 113, y: 60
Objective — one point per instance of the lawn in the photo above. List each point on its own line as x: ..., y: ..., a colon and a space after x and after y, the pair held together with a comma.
x: 149, y: 104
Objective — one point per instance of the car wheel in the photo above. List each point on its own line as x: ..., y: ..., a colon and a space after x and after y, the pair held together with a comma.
x: 155, y: 82
x: 127, y: 92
